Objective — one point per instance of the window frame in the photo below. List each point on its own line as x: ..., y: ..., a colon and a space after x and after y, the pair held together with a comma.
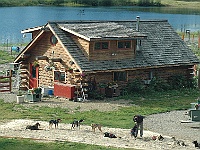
x: 58, y: 77
x: 120, y: 76
x: 101, y: 45
x: 124, y: 44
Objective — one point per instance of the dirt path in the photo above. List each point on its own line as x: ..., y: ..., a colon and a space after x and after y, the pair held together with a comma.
x: 16, y: 128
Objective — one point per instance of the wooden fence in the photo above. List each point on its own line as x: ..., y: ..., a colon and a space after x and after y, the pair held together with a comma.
x: 5, y: 83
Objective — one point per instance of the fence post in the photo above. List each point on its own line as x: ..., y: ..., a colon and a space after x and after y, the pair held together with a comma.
x: 10, y: 82
x: 199, y: 79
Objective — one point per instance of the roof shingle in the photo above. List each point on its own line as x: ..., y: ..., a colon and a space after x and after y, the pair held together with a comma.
x: 162, y: 47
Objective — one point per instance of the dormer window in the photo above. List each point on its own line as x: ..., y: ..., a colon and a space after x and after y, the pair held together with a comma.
x: 101, y: 45
x: 124, y: 44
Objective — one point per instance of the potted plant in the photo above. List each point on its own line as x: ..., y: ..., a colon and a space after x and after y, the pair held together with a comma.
x: 35, y: 95
x: 70, y: 70
x: 20, y: 97
x: 36, y: 64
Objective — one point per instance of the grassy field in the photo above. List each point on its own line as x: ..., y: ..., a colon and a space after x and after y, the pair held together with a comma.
x: 169, y: 3
x: 182, y: 3
x: 26, y: 144
x: 146, y: 104
x: 6, y: 57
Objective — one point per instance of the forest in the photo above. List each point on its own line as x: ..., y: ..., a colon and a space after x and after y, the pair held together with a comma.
x: 4, y: 3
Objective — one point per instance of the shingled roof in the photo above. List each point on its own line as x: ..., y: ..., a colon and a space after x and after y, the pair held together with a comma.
x: 162, y: 46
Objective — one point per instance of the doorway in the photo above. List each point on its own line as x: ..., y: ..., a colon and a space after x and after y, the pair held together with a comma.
x: 34, y: 76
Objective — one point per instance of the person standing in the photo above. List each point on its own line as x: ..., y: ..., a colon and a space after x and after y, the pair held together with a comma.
x: 138, y: 119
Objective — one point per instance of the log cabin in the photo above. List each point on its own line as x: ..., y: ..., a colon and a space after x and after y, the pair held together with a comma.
x: 96, y: 54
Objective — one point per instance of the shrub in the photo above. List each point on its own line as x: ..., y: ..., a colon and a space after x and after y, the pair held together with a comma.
x: 135, y: 86
x: 180, y: 81
x: 159, y: 84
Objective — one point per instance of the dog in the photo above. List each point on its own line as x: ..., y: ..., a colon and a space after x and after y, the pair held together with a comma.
x: 55, y: 122
x: 178, y: 142
x: 110, y: 135
x: 134, y: 131
x: 160, y: 138
x: 196, y: 144
x: 33, y: 127
x: 94, y: 126
x: 76, y: 123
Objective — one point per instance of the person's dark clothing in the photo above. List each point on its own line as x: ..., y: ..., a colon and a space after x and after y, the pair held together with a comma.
x: 138, y: 119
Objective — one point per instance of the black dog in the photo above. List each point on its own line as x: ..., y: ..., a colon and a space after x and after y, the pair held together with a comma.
x: 51, y: 122
x: 33, y: 127
x: 134, y: 131
x: 196, y: 144
x: 160, y: 138
x: 76, y: 123
x: 110, y: 135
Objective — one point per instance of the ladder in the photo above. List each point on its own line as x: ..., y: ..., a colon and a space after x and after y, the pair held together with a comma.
x: 84, y: 96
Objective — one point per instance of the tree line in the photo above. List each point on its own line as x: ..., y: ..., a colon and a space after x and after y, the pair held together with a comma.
x: 4, y: 3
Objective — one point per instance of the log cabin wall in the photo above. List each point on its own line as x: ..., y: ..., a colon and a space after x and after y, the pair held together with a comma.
x: 112, y: 53
x: 143, y: 74
x: 34, y: 33
x: 102, y: 77
x: 45, y: 48
x: 164, y: 73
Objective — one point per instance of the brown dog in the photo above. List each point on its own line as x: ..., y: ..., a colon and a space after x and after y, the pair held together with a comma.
x: 94, y: 126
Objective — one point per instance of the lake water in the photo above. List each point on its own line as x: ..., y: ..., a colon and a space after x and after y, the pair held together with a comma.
x: 15, y: 19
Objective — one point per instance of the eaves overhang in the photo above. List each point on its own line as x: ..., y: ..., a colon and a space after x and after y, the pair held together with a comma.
x: 30, y: 30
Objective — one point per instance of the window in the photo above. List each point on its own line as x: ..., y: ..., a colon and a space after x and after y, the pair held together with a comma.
x: 120, y: 76
x: 101, y: 45
x: 124, y: 44
x: 59, y: 76
x: 53, y: 40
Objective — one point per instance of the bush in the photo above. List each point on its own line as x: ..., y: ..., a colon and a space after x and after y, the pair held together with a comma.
x: 157, y: 84
x: 95, y: 95
x: 180, y: 81
x: 135, y: 86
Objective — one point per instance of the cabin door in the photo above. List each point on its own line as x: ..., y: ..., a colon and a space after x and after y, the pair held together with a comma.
x: 34, y: 76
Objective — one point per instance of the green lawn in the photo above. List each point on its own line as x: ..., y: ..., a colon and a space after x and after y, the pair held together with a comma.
x: 25, y: 144
x: 146, y: 104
